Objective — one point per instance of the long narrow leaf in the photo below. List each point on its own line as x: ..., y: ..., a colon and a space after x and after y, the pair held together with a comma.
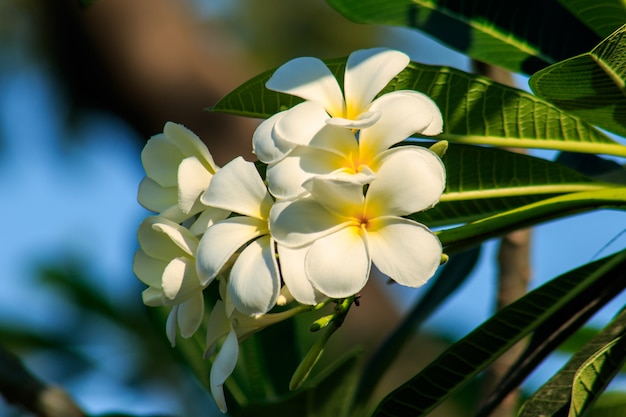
x: 591, y: 85
x: 585, y: 375
x: 492, y: 31
x: 484, y: 181
x: 601, y: 16
x: 466, y: 358
x: 458, y: 238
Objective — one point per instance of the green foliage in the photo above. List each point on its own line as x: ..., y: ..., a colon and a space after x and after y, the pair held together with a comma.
x: 577, y: 385
x: 473, y: 353
x: 492, y: 31
x: 591, y: 85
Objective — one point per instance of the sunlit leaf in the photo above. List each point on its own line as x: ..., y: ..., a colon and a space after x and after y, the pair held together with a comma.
x: 602, y: 16
x: 492, y: 31
x: 458, y: 238
x: 472, y: 354
x: 591, y: 85
x: 484, y: 181
x: 475, y: 110
x: 577, y: 385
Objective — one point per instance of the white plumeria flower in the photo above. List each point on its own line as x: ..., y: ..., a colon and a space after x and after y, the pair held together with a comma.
x: 334, y: 151
x: 344, y: 232
x: 232, y: 327
x: 166, y: 263
x: 367, y: 72
x: 254, y: 281
x: 179, y: 168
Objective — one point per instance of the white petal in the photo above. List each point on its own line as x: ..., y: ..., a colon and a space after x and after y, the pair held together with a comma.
x: 152, y: 297
x: 361, y: 121
x: 190, y: 144
x: 410, y: 179
x: 403, y: 114
x: 148, y: 270
x: 223, y: 366
x: 294, y: 274
x: 285, y: 178
x: 404, y: 250
x: 238, y: 187
x: 170, y: 325
x: 368, y: 71
x: 193, y: 180
x: 301, y: 123
x: 221, y: 241
x: 180, y: 280
x: 254, y: 282
x: 207, y: 218
x: 160, y: 158
x: 338, y: 265
x: 218, y: 327
x: 336, y: 139
x: 190, y: 315
x: 163, y: 239
x: 154, y: 197
x: 310, y: 79
x: 302, y: 221
x: 342, y: 195
x: 268, y: 146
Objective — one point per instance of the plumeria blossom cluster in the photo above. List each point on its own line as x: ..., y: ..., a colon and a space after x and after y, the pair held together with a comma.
x: 333, y: 205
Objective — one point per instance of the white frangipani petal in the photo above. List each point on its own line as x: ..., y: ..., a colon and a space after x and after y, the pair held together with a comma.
x: 148, y: 270
x: 221, y: 241
x: 368, y: 71
x: 193, y: 180
x: 163, y: 239
x: 285, y: 178
x: 180, y: 280
x: 338, y: 265
x: 170, y: 325
x: 310, y: 79
x: 404, y: 250
x: 339, y: 196
x: 302, y: 221
x: 218, y: 327
x: 268, y: 146
x: 190, y: 315
x: 154, y: 197
x: 208, y: 217
x: 152, y: 297
x: 294, y: 274
x: 410, y: 179
x: 239, y: 188
x: 301, y: 123
x: 361, y: 121
x: 403, y: 113
x: 254, y: 282
x: 160, y: 158
x: 223, y: 366
x: 190, y: 144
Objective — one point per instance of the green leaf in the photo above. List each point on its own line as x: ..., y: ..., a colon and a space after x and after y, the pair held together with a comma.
x: 459, y: 238
x: 610, y: 404
x: 475, y: 110
x: 484, y: 181
x: 472, y: 354
x: 591, y: 85
x: 518, y: 35
x: 576, y: 386
x: 329, y: 394
x: 602, y: 16
x: 548, y: 337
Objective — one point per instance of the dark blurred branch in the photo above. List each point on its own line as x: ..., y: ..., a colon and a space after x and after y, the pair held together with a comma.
x: 20, y: 387
x: 514, y: 275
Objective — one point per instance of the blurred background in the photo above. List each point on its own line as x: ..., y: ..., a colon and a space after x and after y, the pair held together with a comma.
x: 82, y: 87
